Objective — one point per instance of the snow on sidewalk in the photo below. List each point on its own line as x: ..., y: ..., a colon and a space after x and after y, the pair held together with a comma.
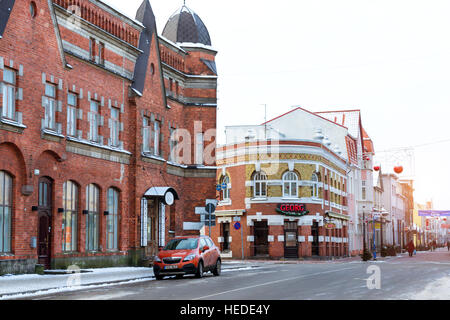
x: 32, y: 283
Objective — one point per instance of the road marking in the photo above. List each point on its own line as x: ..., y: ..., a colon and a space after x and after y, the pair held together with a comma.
x: 269, y: 283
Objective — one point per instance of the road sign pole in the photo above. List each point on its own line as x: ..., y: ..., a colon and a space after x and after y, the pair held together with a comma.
x: 242, y: 242
x: 210, y: 225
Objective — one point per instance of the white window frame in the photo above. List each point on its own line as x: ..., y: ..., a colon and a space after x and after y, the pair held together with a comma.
x: 146, y: 134
x: 290, y: 183
x: 199, y: 144
x: 315, y: 185
x: 115, y: 127
x: 9, y: 95
x: 94, y: 121
x: 72, y: 109
x: 50, y: 107
x: 260, y: 185
x: 225, y: 192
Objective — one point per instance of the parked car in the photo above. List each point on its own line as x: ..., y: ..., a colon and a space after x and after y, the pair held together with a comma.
x: 188, y: 255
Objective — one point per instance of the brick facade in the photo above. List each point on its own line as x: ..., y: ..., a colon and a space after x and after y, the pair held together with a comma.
x: 53, y: 48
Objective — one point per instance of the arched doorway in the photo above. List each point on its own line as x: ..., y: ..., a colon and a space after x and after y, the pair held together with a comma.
x: 45, y: 221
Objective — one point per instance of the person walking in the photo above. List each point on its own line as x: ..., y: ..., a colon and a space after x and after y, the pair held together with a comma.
x: 411, y: 248
x: 448, y: 245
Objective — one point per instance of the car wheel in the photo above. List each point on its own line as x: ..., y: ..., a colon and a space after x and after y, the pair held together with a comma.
x: 218, y: 268
x: 179, y: 276
x: 199, y: 273
x: 158, y: 277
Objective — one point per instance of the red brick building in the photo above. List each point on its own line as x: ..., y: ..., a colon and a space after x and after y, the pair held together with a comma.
x: 106, y: 132
x: 285, y: 182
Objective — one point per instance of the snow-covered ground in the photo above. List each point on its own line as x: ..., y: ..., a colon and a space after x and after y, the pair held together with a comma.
x: 32, y: 283
x: 437, y: 290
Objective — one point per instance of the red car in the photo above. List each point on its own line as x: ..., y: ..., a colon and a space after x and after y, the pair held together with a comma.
x: 188, y: 255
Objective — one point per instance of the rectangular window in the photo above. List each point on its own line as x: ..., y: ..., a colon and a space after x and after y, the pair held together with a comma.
x: 92, y: 49
x: 115, y: 127
x: 92, y: 218
x: 5, y: 212
x: 173, y: 142
x: 70, y: 217
x: 72, y: 109
x: 9, y: 94
x: 101, y: 53
x: 156, y: 137
x: 94, y: 122
x: 199, y: 148
x: 50, y: 107
x: 146, y: 135
x: 112, y: 220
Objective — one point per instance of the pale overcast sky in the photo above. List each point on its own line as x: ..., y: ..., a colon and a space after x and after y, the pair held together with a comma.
x: 388, y: 58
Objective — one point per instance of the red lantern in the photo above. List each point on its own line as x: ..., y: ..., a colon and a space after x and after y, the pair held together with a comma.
x: 377, y: 168
x: 398, y: 169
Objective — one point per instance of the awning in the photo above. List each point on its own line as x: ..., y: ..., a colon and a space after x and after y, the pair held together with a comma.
x: 337, y: 215
x: 161, y: 192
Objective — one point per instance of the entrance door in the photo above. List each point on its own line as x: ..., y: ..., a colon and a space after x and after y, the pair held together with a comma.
x: 261, y: 232
x: 152, y: 228
x: 315, y: 235
x: 226, y: 236
x: 290, y: 240
x: 44, y: 222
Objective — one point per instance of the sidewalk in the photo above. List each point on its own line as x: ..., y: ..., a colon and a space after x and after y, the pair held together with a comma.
x: 16, y: 286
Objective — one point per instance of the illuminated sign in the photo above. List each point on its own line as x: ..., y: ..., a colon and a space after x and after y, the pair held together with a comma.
x: 296, y: 210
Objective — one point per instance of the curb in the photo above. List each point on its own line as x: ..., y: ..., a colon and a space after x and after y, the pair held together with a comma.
x: 80, y: 287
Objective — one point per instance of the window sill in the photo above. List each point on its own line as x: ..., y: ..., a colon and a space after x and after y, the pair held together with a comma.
x: 154, y: 157
x: 98, y: 145
x: 52, y: 133
x: 259, y: 199
x: 12, y: 123
x: 225, y: 202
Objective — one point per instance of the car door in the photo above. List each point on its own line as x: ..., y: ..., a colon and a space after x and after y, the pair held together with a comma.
x: 206, y: 254
x: 213, y: 253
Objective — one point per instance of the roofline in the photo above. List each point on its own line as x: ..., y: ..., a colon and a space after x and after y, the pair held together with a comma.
x: 310, y: 112
x: 331, y: 111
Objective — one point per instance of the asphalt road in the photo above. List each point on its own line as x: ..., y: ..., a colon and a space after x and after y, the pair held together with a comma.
x: 425, y: 276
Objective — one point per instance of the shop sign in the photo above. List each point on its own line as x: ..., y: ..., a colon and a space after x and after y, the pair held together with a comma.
x: 295, y: 210
x: 330, y: 226
x: 377, y: 226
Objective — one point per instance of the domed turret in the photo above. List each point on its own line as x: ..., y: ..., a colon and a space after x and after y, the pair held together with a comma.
x: 185, y: 26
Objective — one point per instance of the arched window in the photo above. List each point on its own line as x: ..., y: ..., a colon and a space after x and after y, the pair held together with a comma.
x: 70, y: 217
x: 112, y: 220
x: 225, y: 192
x: 315, y: 187
x: 290, y: 185
x: 260, y: 185
x: 5, y: 212
x: 92, y: 217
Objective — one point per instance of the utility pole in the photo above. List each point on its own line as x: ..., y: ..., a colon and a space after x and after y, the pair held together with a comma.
x: 265, y: 121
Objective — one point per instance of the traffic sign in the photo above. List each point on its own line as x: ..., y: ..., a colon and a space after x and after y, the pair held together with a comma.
x: 237, y: 225
x: 236, y: 219
x: 210, y: 208
x: 224, y: 186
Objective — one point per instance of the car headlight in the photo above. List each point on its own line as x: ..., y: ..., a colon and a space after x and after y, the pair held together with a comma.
x: 157, y: 259
x: 189, y: 258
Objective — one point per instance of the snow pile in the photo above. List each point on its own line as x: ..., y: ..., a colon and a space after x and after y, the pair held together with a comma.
x: 437, y: 290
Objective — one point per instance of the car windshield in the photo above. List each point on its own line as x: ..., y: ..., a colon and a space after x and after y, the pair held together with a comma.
x: 182, y: 244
